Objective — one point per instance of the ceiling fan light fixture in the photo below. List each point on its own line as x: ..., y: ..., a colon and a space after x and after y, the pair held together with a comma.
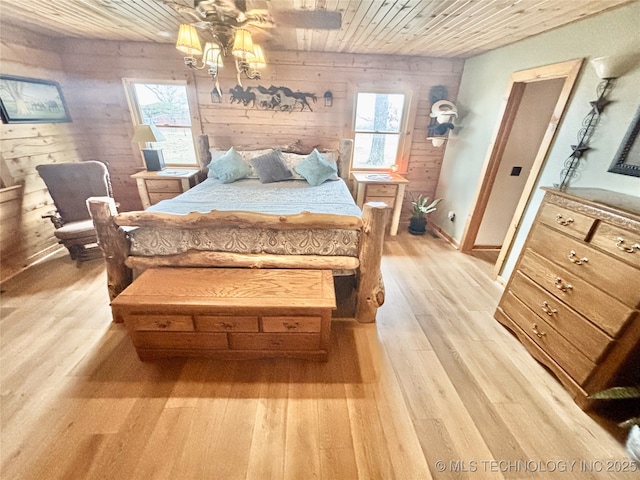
x: 258, y: 60
x: 212, y: 55
x: 243, y: 44
x: 188, y: 41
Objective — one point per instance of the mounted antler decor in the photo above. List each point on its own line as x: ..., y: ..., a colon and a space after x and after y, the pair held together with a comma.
x: 228, y: 23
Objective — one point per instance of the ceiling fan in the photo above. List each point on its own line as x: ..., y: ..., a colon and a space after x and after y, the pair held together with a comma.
x: 221, y: 18
x: 229, y: 22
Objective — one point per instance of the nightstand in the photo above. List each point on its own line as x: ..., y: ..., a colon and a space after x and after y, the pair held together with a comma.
x: 381, y: 187
x: 168, y: 183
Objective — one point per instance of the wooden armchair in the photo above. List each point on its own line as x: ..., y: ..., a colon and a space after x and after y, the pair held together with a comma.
x: 70, y: 185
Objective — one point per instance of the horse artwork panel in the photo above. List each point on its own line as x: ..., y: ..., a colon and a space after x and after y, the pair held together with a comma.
x: 279, y: 99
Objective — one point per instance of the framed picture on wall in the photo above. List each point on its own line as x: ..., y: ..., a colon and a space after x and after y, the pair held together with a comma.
x: 627, y: 159
x: 29, y: 100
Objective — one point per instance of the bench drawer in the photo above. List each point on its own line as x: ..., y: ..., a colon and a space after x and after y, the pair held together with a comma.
x: 292, y: 324
x: 274, y: 341
x: 176, y: 340
x: 226, y: 323
x: 164, y: 323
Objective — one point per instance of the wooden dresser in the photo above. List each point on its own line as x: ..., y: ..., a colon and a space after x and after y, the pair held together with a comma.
x: 574, y: 295
x: 229, y: 313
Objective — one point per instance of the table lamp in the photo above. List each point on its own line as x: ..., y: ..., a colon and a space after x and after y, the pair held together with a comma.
x: 147, y: 134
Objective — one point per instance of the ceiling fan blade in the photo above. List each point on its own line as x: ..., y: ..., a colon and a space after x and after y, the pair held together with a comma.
x: 311, y: 19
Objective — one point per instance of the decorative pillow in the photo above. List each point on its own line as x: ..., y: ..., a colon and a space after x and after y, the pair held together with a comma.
x: 271, y: 167
x: 315, y: 169
x: 230, y: 167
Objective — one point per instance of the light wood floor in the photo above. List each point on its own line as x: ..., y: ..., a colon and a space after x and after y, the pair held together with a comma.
x: 436, y: 379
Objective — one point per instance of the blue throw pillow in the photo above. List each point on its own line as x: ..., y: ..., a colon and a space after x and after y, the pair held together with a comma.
x: 271, y: 167
x: 230, y: 167
x: 315, y: 169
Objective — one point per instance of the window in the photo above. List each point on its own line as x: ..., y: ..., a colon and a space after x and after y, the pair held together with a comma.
x: 166, y: 106
x: 378, y: 123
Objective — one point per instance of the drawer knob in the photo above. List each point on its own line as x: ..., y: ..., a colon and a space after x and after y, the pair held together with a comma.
x: 290, y: 325
x: 573, y: 258
x: 227, y: 325
x: 631, y: 249
x: 563, y: 222
x: 163, y: 323
x: 561, y: 285
x: 538, y: 333
x: 546, y: 308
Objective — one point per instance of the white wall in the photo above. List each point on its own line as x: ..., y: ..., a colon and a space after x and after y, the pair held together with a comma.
x: 482, y: 90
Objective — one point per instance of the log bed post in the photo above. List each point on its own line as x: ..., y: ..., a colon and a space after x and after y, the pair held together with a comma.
x: 370, y: 290
x: 113, y: 243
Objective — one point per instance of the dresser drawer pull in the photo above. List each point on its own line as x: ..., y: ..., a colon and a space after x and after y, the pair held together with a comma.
x: 546, y: 308
x: 562, y: 222
x: 290, y: 325
x: 631, y: 249
x: 227, y: 325
x: 534, y: 329
x: 163, y: 323
x: 573, y: 258
x: 561, y: 285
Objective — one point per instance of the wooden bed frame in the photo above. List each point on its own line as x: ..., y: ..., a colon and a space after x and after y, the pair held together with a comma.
x: 112, y: 228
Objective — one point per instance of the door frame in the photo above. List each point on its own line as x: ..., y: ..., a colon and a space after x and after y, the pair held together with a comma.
x: 568, y: 70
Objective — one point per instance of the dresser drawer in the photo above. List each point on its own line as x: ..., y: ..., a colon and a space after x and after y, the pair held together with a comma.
x: 599, y: 269
x: 603, y: 310
x: 165, y: 323
x: 226, y: 323
x: 291, y: 324
x: 381, y: 190
x: 620, y: 243
x: 156, y: 197
x: 571, y: 223
x: 274, y: 341
x: 175, y: 340
x: 576, y: 329
x: 555, y: 345
x: 164, y: 186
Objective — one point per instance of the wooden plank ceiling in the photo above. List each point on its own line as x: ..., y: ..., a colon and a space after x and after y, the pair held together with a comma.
x: 437, y: 28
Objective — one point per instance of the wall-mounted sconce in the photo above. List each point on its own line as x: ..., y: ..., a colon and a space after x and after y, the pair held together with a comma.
x: 442, y: 114
x: 328, y: 99
x: 608, y: 69
x: 215, y: 96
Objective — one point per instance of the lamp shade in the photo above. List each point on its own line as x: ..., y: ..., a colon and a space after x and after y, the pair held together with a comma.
x: 258, y: 60
x: 243, y: 44
x: 147, y: 133
x: 188, y: 41
x: 609, y: 67
x: 212, y: 55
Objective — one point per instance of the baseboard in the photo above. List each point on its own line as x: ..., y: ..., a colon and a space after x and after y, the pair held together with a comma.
x: 34, y: 260
x: 487, y: 247
x: 444, y: 235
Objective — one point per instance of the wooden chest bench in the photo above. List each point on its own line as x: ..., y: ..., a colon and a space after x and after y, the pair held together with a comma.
x: 230, y: 313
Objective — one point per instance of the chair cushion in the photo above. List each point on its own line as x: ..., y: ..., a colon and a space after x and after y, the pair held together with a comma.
x: 72, y: 230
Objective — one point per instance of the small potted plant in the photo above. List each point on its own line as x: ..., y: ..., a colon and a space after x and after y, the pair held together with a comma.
x: 421, y: 206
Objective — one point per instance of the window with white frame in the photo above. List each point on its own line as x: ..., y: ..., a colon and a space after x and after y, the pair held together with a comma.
x: 165, y: 105
x: 378, y: 125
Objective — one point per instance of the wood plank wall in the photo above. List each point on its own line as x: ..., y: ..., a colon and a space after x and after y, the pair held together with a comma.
x: 91, y: 74
x: 25, y: 236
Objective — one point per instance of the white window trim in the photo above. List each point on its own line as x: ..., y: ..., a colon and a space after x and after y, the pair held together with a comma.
x: 196, y: 130
x: 406, y: 127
